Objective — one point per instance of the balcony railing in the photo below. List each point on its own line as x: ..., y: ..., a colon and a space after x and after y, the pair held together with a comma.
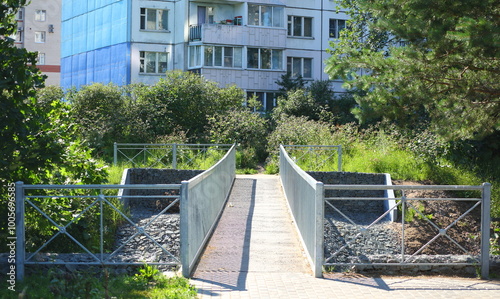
x: 195, y: 33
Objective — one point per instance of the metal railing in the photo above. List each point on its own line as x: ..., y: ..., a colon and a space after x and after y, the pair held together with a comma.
x: 99, y: 202
x: 305, y: 200
x: 194, y: 32
x: 168, y: 155
x: 407, y: 205
x: 318, y: 155
x: 202, y: 204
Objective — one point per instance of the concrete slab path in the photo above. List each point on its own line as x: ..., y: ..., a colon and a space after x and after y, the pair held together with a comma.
x: 255, y: 252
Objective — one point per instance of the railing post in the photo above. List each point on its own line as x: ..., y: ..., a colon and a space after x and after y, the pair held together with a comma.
x: 340, y: 157
x: 174, y: 156
x: 184, y: 230
x: 20, y: 242
x: 115, y: 154
x: 485, y: 231
x: 101, y: 224
x: 319, y: 240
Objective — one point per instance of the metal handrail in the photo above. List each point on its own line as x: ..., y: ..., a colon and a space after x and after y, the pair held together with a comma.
x: 145, y: 151
x: 98, y: 200
x: 288, y: 166
x: 312, y: 149
x: 405, y: 202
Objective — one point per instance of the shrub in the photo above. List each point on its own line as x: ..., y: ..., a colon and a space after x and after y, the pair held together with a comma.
x: 293, y: 130
x: 184, y: 101
x: 99, y: 110
x: 243, y: 127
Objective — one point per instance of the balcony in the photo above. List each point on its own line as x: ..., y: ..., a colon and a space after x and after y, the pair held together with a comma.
x: 195, y: 30
x: 238, y: 35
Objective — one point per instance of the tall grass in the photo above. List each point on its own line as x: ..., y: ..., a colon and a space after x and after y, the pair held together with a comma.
x: 416, y: 156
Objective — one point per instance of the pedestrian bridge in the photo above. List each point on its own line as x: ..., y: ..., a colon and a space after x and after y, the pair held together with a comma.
x: 232, y: 225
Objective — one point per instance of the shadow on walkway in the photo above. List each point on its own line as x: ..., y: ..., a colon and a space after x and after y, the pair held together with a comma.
x: 225, y: 261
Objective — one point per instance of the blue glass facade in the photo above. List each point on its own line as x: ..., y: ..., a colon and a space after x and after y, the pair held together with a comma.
x: 95, y: 42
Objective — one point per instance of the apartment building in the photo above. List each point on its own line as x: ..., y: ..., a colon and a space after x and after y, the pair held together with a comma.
x: 39, y: 30
x: 247, y: 43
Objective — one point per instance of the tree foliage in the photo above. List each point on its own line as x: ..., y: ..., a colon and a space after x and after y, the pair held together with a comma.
x: 241, y: 126
x: 39, y: 144
x: 100, y: 111
x: 316, y: 102
x: 288, y: 83
x: 414, y: 61
x: 184, y: 101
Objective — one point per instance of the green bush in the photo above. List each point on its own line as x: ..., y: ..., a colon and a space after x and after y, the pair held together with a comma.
x: 184, y: 101
x: 148, y: 283
x: 99, y: 110
x: 293, y: 130
x: 247, y: 129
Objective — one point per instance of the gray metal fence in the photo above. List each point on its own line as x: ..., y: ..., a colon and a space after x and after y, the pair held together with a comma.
x: 167, y: 155
x: 408, y: 205
x: 202, y: 201
x: 96, y: 203
x: 318, y: 157
x: 305, y: 200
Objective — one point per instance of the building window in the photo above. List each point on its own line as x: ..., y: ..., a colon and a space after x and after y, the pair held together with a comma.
x: 153, y: 62
x: 223, y: 56
x: 18, y: 37
x: 336, y: 26
x: 40, y: 15
x: 299, y: 26
x: 298, y: 66
x: 265, y: 15
x: 39, y: 36
x: 266, y: 99
x: 154, y: 19
x: 20, y: 15
x: 40, y: 58
x: 195, y: 56
x: 267, y: 59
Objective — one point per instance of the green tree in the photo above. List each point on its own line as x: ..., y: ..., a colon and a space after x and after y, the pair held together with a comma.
x: 241, y: 126
x: 100, y: 112
x: 183, y: 101
x: 415, y: 61
x: 297, y: 102
x: 288, y: 83
x: 38, y: 144
x: 19, y: 119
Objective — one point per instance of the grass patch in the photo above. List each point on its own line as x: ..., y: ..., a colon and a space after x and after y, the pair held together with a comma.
x: 246, y: 171
x: 415, y: 155
x: 58, y: 284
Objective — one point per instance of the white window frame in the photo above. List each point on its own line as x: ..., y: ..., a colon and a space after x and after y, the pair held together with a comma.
x: 290, y: 67
x: 40, y: 59
x: 159, y: 15
x: 40, y: 15
x: 195, y: 59
x: 276, y: 18
x: 223, y: 56
x: 266, y: 98
x: 272, y: 59
x: 292, y: 25
x: 40, y: 37
x: 145, y: 58
x: 335, y: 31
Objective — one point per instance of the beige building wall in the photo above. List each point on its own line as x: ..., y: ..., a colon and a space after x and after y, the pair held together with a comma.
x: 39, y: 30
